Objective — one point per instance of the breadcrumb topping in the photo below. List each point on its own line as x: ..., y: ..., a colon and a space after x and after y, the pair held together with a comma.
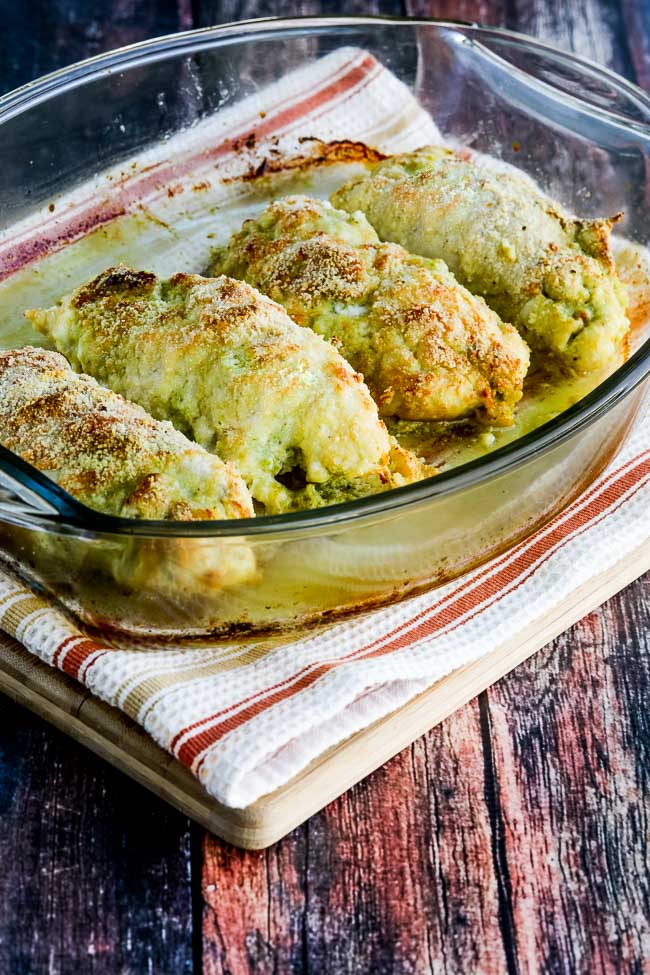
x: 106, y: 451
x: 549, y: 273
x: 231, y: 370
x: 427, y: 348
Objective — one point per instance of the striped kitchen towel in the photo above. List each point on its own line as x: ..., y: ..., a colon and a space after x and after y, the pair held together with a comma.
x: 246, y: 717
x: 179, y: 199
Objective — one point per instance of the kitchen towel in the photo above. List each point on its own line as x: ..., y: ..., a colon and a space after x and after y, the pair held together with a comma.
x: 247, y: 716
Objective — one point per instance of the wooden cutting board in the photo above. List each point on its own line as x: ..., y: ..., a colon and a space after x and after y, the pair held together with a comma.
x: 111, y: 735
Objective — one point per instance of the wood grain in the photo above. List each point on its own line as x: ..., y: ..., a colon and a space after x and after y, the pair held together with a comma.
x: 209, y: 12
x: 496, y: 13
x: 570, y: 781
x: 593, y: 28
x: 95, y: 871
x: 636, y: 26
x: 511, y: 839
x: 53, y: 33
x: 512, y: 849
x: 568, y: 747
x: 396, y: 876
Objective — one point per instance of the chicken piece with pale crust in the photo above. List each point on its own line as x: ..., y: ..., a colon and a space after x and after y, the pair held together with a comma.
x: 550, y: 274
x: 230, y: 369
x: 112, y: 456
x: 108, y: 452
x: 427, y: 348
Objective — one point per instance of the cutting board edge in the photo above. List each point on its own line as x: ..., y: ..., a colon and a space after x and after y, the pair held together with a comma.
x: 114, y: 737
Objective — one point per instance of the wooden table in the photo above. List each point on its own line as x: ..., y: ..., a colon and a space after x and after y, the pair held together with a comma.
x: 513, y: 838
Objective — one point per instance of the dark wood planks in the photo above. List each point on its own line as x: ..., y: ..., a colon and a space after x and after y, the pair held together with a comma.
x: 47, y: 34
x: 496, y: 13
x: 95, y: 873
x: 598, y: 29
x: 594, y: 28
x: 565, y: 735
x: 569, y: 746
x: 396, y: 876
x: 636, y: 21
x: 512, y: 839
x: 209, y: 12
x: 613, y: 33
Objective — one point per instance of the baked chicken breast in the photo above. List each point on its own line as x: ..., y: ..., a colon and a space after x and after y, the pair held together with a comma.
x: 427, y: 348
x: 114, y: 457
x: 540, y: 268
x: 230, y: 369
x: 107, y: 452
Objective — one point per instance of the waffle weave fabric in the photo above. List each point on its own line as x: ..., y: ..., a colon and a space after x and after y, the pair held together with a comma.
x: 248, y: 717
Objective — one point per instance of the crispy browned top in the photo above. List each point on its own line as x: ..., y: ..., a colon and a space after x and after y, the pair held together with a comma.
x: 106, y: 451
x: 427, y: 348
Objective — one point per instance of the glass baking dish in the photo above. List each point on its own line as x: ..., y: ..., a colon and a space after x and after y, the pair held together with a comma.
x: 579, y: 130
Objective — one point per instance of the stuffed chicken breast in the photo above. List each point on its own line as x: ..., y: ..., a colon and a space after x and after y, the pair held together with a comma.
x: 540, y: 268
x: 107, y: 452
x: 427, y: 348
x: 230, y: 369
x: 114, y: 457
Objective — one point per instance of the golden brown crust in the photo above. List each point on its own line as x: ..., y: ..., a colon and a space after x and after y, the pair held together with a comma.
x: 106, y: 451
x: 545, y: 271
x: 229, y: 367
x: 115, y: 280
x: 427, y: 348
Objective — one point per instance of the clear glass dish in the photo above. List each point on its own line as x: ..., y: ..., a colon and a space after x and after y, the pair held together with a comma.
x: 580, y: 131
